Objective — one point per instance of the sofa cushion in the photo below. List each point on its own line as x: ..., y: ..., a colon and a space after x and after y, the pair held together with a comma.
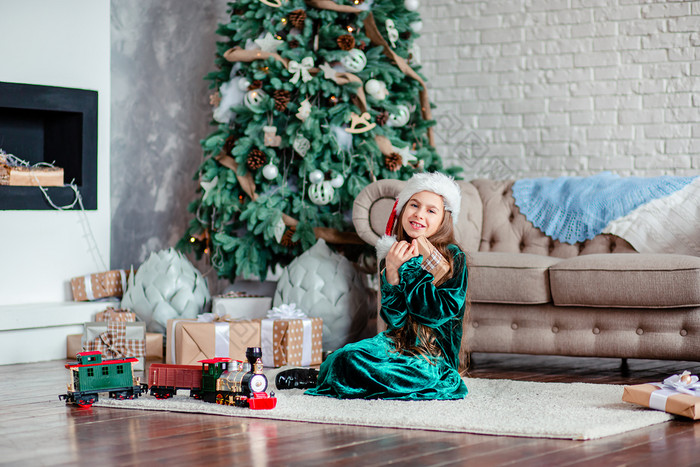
x: 517, y: 278
x: 627, y: 281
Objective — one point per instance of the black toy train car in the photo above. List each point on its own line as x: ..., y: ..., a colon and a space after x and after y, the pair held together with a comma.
x: 217, y: 380
x: 237, y: 383
x: 90, y: 375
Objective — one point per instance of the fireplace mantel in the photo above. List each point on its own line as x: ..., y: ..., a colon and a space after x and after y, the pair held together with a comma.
x: 53, y: 125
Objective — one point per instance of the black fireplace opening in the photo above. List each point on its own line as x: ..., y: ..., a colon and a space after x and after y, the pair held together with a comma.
x: 52, y: 125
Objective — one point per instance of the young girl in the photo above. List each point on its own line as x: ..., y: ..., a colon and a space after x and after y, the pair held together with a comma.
x: 417, y: 357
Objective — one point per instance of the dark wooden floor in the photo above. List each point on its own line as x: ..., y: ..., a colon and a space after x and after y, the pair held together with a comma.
x: 37, y: 429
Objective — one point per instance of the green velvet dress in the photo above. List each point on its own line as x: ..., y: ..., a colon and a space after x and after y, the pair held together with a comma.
x: 372, y: 369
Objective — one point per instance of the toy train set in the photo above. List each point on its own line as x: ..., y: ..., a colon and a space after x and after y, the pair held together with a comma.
x: 218, y: 380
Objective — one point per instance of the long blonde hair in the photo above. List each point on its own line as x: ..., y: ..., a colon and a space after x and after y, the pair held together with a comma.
x: 414, y: 338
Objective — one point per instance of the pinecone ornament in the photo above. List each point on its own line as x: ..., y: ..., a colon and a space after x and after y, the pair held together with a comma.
x: 257, y: 158
x: 287, y: 237
x: 229, y: 144
x: 346, y: 42
x: 382, y: 118
x: 256, y: 84
x: 297, y: 18
x: 393, y: 161
x: 293, y: 44
x: 281, y: 97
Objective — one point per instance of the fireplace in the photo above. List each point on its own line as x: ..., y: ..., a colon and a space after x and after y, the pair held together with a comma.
x: 54, y: 125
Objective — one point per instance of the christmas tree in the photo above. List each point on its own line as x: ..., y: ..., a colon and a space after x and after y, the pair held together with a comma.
x: 312, y: 101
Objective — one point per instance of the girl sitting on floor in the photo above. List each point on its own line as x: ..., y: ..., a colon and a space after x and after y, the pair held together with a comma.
x: 417, y: 357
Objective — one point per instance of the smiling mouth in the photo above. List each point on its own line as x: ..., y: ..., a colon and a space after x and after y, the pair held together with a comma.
x: 417, y: 226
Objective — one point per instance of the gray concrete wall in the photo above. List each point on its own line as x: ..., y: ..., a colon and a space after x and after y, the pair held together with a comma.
x: 161, y: 52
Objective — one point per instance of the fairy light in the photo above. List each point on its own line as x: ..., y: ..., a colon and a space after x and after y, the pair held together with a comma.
x: 284, y: 20
x: 350, y: 29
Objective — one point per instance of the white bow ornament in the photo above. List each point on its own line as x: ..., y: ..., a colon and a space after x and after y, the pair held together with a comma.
x: 300, y: 70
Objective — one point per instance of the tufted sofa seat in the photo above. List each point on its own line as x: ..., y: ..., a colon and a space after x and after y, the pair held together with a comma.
x: 532, y: 294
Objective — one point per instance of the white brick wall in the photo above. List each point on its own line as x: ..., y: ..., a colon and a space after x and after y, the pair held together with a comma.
x: 562, y: 87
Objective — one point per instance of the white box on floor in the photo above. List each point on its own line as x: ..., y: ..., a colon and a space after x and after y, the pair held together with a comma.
x: 241, y: 307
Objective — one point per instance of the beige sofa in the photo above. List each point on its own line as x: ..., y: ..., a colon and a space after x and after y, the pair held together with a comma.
x: 534, y: 295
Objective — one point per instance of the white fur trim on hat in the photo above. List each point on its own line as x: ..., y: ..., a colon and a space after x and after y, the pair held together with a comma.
x: 384, y: 245
x: 436, y: 182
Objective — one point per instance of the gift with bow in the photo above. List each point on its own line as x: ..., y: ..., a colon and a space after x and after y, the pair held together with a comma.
x: 117, y: 339
x: 209, y: 336
x: 290, y: 337
x: 100, y: 285
x: 677, y: 394
x: 300, y: 69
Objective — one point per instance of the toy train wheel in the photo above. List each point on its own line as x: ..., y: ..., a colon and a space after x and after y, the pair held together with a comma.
x: 86, y: 401
x: 220, y: 399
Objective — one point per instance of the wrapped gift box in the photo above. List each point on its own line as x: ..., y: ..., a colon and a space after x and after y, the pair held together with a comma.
x: 188, y: 341
x: 100, y: 285
x: 665, y: 399
x: 297, y: 342
x: 116, y: 314
x: 117, y: 339
x: 239, y: 305
x: 154, y: 346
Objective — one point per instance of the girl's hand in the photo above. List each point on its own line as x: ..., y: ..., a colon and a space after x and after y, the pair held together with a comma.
x: 399, y: 253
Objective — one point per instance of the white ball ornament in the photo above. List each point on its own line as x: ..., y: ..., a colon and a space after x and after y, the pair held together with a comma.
x: 376, y: 89
x: 254, y: 100
x: 416, y: 26
x: 400, y: 117
x: 270, y: 171
x: 321, y: 193
x: 355, y: 60
x: 316, y: 177
x: 337, y: 181
x: 411, y: 5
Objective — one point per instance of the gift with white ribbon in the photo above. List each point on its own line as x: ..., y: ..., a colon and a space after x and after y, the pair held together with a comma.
x: 300, y: 69
x: 210, y: 336
x: 677, y: 394
x: 100, y: 285
x: 289, y: 337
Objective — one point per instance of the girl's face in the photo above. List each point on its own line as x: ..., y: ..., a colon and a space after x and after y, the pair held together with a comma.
x: 423, y: 214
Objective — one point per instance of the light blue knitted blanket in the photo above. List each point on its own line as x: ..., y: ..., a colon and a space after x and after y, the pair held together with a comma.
x: 574, y: 209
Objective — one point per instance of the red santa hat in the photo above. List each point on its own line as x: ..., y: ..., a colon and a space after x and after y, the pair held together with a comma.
x: 434, y: 182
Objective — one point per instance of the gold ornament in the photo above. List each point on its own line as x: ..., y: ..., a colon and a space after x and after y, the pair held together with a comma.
x: 360, y: 123
x: 273, y: 3
x: 686, y: 378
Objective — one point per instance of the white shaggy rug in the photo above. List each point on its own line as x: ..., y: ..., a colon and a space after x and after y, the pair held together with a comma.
x: 496, y: 407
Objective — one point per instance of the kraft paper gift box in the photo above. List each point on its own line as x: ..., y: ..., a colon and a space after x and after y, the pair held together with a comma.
x: 241, y: 306
x: 116, y: 314
x: 116, y: 339
x: 154, y: 345
x: 189, y: 341
x: 100, y: 285
x: 665, y: 397
x: 433, y: 261
x: 297, y: 342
